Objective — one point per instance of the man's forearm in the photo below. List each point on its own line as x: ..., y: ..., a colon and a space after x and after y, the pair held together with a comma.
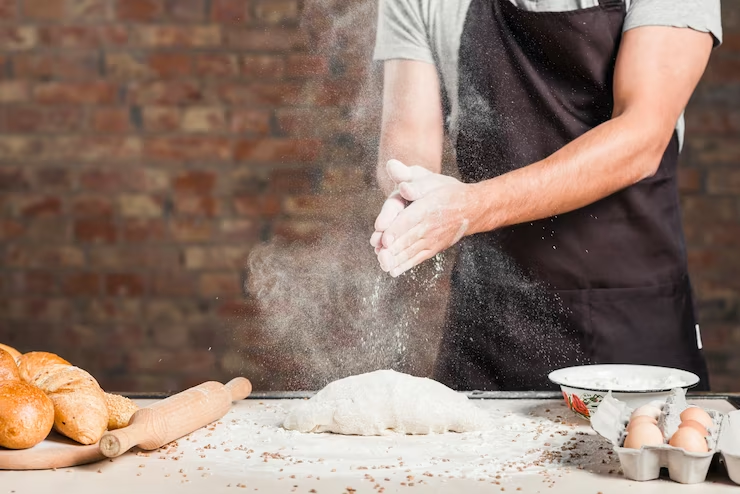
x: 610, y: 157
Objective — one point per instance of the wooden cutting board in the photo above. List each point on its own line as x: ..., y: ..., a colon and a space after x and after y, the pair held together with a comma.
x: 56, y: 451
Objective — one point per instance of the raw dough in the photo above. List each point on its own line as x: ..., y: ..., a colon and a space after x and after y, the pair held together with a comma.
x: 373, y: 403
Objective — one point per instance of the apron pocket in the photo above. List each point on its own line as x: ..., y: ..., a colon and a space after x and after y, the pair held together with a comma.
x: 647, y: 325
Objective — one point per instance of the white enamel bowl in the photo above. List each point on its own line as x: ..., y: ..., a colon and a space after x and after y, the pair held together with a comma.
x: 585, y: 386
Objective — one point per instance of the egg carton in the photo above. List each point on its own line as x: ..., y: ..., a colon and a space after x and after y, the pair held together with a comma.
x: 612, y: 416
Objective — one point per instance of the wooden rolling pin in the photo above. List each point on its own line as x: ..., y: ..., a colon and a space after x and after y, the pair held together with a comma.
x: 163, y: 422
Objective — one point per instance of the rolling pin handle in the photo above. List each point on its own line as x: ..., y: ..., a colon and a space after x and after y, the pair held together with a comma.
x: 239, y: 387
x: 115, y: 443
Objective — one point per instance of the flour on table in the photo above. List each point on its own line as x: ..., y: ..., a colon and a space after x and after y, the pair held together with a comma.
x: 372, y: 404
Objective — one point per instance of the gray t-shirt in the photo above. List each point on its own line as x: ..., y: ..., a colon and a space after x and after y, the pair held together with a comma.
x: 430, y: 30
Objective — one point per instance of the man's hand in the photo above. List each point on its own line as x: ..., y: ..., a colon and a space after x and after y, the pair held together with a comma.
x: 436, y: 218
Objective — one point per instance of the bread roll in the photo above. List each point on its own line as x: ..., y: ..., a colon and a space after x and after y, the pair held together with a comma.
x: 80, y: 410
x: 120, y: 410
x: 26, y: 415
x: 12, y: 351
x: 8, y: 368
x: 32, y: 363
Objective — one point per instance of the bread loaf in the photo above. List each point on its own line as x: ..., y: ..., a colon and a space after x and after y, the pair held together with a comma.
x: 12, y: 351
x: 8, y: 367
x: 120, y: 410
x: 33, y: 363
x: 80, y: 410
x: 26, y: 415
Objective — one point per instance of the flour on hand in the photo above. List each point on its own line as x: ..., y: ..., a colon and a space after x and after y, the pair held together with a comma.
x: 372, y: 404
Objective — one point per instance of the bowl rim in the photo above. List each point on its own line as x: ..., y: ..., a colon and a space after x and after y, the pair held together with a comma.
x: 552, y: 376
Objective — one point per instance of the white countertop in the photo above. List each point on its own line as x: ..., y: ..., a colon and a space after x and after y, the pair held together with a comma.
x: 536, y: 446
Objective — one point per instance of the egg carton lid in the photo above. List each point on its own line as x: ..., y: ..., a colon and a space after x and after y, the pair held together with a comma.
x: 612, y: 415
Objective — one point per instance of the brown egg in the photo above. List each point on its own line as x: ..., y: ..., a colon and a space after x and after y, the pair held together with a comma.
x: 646, y: 410
x: 645, y: 434
x: 695, y: 425
x: 641, y: 419
x: 696, y: 413
x: 689, y: 439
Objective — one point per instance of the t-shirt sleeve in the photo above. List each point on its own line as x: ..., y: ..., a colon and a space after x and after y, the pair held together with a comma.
x: 700, y: 15
x: 401, y: 33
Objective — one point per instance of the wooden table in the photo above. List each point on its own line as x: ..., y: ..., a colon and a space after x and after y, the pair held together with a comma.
x: 538, y: 445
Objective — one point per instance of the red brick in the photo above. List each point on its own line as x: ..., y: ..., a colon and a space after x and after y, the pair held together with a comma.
x: 127, y: 66
x: 257, y: 206
x: 220, y: 284
x: 263, y: 66
x: 219, y: 65
x: 230, y: 11
x: 14, y: 178
x: 95, y: 230
x: 711, y: 121
x: 110, y: 120
x: 195, y: 204
x: 50, y: 10
x: 53, y: 178
x: 344, y: 179
x: 14, y: 92
x: 91, y: 36
x: 81, y: 284
x: 214, y: 258
x: 125, y: 285
x: 28, y: 119
x: 76, y: 93
x: 689, y: 179
x: 260, y: 93
x: 102, y: 310
x: 31, y: 282
x: 91, y: 205
x: 49, y: 230
x: 723, y: 181
x: 708, y: 209
x: 8, y: 10
x: 89, y: 148
x: 277, y: 11
x: 250, y: 122
x: 206, y: 119
x: 35, y: 206
x: 239, y: 230
x: 11, y: 229
x: 186, y: 10
x: 135, y: 257
x: 306, y: 66
x: 722, y: 73
x: 139, y: 206
x: 56, y: 66
x: 191, y: 230
x: 292, y: 181
x: 99, y: 179
x: 170, y: 65
x: 278, y: 150
x: 195, y: 181
x: 18, y: 38
x: 270, y: 40
x: 44, y: 256
x: 173, y: 284
x: 161, y: 118
x: 144, y: 230
x: 42, y: 309
x: 169, y: 36
x: 187, y: 149
x: 139, y: 10
x: 89, y: 10
x: 165, y: 93
x: 298, y: 231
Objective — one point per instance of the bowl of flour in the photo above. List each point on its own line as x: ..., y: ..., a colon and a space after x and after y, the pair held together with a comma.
x: 584, y: 386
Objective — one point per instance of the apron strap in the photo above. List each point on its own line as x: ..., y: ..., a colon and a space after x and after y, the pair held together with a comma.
x: 611, y: 4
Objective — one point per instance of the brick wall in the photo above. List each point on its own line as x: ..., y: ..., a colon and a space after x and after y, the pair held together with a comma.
x: 147, y: 146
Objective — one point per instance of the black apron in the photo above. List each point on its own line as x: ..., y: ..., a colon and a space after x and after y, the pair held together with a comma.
x: 607, y: 283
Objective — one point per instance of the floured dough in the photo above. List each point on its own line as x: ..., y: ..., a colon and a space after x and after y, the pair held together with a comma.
x: 373, y: 403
